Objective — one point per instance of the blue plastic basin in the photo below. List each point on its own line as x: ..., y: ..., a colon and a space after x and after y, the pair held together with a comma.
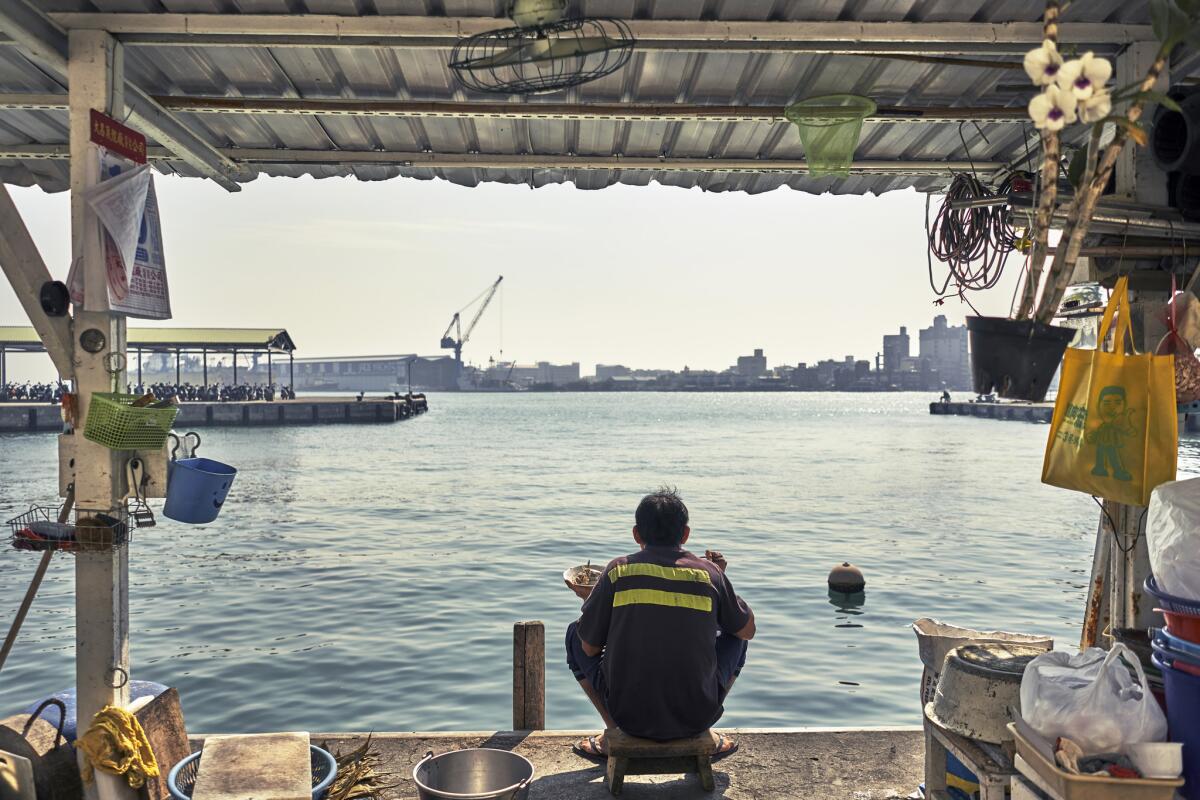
x: 196, y: 489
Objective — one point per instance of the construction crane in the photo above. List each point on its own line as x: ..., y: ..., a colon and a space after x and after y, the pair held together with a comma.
x: 460, y: 337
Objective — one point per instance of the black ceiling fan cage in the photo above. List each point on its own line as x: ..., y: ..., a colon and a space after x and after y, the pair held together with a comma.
x: 542, y: 58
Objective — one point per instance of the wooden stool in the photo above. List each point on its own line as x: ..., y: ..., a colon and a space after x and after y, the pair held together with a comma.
x: 631, y: 755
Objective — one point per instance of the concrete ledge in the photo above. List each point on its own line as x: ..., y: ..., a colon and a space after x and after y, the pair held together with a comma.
x: 48, y: 418
x: 825, y: 763
x: 1023, y: 412
x: 192, y: 414
x: 261, y: 414
x: 25, y: 417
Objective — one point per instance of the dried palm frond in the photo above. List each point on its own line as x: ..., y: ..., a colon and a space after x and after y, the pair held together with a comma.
x: 357, y: 778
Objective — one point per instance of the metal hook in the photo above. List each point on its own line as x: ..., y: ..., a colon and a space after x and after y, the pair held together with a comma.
x: 113, y: 672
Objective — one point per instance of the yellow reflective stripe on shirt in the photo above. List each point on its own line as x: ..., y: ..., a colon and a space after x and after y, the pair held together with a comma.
x: 690, y: 574
x: 653, y: 597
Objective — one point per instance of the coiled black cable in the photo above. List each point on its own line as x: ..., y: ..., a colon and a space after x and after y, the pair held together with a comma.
x: 973, y: 243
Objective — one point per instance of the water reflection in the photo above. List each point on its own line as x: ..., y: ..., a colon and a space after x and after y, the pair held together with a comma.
x: 849, y: 605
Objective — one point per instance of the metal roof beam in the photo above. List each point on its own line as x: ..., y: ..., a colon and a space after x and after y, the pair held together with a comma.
x: 327, y: 30
x: 44, y: 41
x: 624, y: 112
x: 417, y: 160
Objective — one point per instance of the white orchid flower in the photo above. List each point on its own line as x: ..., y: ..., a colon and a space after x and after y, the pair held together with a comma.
x: 1084, y: 76
x: 1043, y: 64
x: 1052, y: 109
x: 1096, y: 107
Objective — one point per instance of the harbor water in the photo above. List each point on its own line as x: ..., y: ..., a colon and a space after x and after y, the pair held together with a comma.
x: 367, y: 577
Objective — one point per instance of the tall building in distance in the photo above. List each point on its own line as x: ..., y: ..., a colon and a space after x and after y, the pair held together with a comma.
x: 896, y: 348
x: 944, y: 348
x: 752, y: 366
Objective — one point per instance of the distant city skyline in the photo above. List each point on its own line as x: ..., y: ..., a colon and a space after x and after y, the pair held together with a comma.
x: 643, y: 276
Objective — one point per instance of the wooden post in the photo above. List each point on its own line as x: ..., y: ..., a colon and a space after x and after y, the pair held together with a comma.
x: 529, y: 676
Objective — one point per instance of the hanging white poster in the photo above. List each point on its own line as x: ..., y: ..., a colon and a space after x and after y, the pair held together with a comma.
x: 146, y: 293
x: 141, y: 291
x: 137, y: 288
x: 120, y: 204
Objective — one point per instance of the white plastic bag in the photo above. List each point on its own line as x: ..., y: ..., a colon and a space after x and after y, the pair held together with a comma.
x: 1173, y: 537
x: 1091, y: 699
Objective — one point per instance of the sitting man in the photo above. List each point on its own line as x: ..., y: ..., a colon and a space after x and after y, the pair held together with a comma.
x: 662, y: 635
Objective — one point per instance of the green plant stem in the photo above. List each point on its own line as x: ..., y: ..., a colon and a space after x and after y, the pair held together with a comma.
x: 1051, y: 150
x: 1079, y: 214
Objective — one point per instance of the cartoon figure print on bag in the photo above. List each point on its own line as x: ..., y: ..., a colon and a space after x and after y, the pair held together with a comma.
x: 1109, y: 436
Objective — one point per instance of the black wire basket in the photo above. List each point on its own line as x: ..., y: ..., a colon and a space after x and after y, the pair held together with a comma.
x: 38, y: 529
x: 542, y: 58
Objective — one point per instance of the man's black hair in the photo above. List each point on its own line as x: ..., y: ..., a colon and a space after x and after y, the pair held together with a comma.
x: 661, y: 518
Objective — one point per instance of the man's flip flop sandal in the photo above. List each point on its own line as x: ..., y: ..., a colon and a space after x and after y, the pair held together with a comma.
x: 589, y: 748
x: 725, y: 747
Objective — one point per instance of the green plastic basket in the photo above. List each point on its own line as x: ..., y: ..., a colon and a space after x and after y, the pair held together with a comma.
x: 830, y: 127
x: 113, y: 422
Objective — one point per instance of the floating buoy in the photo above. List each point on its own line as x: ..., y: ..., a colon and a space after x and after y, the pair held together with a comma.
x: 846, y: 577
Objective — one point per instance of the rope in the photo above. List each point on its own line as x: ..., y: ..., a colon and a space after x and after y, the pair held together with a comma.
x: 973, y: 243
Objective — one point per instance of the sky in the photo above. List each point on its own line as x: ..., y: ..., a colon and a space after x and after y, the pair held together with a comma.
x: 649, y: 277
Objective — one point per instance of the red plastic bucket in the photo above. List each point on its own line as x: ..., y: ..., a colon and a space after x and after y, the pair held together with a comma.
x: 1185, y: 626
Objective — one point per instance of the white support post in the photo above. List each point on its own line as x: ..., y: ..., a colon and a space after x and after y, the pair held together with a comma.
x: 1137, y: 178
x: 101, y: 578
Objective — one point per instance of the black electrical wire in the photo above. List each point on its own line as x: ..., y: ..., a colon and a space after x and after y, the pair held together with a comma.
x: 973, y: 243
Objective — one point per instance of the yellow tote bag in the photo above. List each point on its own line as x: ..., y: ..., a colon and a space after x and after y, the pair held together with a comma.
x: 1114, y: 433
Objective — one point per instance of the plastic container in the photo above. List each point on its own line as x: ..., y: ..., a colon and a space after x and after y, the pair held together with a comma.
x: 1183, y: 700
x: 1068, y: 786
x: 113, y: 422
x: 1165, y: 639
x: 1016, y: 359
x: 137, y: 690
x: 182, y: 778
x: 830, y: 127
x: 196, y: 489
x: 1182, y: 615
x: 1159, y: 760
x: 1178, y: 660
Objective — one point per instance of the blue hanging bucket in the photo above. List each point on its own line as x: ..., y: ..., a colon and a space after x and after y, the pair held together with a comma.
x: 196, y: 489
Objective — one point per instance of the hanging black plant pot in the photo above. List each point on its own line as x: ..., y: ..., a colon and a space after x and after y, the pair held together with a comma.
x: 1016, y: 359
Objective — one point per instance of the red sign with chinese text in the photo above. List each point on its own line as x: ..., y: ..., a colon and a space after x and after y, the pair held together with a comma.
x: 107, y: 132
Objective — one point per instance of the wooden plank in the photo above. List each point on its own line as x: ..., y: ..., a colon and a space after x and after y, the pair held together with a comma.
x: 262, y: 766
x: 518, y: 694
x: 622, y: 744
x: 162, y: 720
x: 529, y: 676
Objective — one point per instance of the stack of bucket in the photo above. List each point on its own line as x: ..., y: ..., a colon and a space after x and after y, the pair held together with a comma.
x: 1177, y: 654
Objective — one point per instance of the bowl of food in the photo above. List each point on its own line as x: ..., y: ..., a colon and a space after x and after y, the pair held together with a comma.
x: 582, y: 578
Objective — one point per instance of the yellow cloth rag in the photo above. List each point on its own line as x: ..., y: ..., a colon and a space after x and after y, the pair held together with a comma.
x: 117, y: 744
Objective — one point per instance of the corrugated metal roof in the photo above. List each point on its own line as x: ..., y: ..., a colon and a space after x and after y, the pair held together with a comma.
x: 276, y: 339
x: 732, y: 78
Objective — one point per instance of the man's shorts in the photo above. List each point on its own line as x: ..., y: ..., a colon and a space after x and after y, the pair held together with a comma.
x: 731, y: 657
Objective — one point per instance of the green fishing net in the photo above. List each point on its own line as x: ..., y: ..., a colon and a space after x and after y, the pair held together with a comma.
x: 829, y: 128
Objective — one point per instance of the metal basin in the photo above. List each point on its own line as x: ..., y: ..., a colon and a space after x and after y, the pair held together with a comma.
x: 978, y: 686
x: 475, y: 774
